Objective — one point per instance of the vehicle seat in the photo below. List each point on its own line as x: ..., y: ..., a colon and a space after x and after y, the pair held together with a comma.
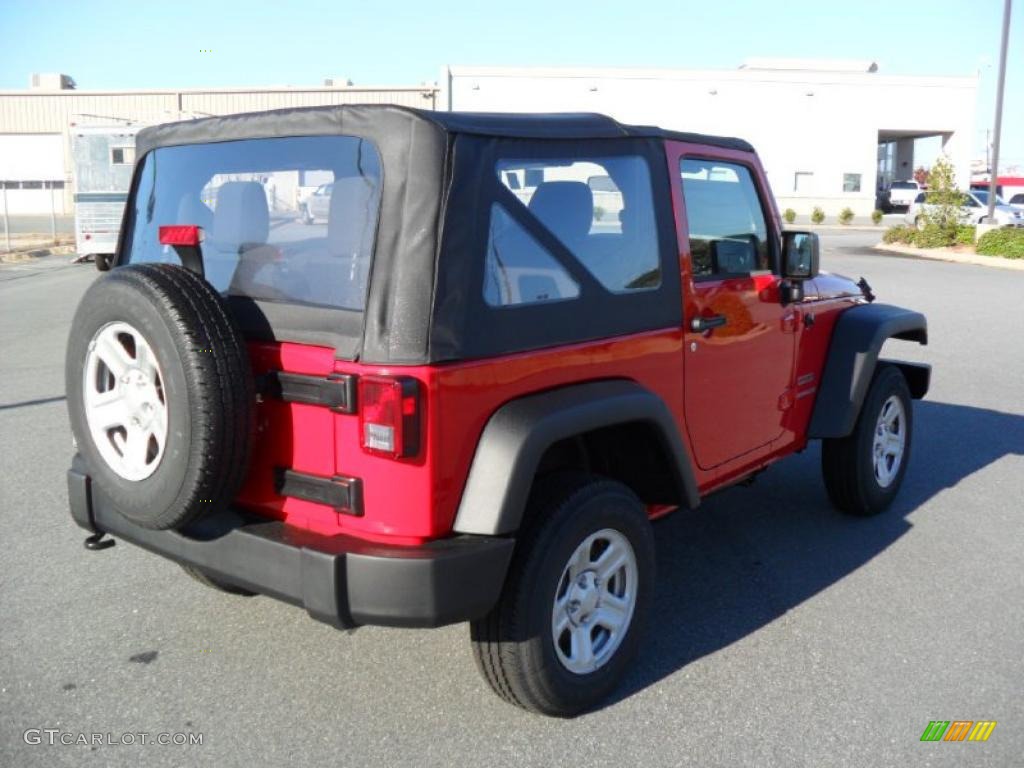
x: 237, y: 245
x: 241, y: 220
x: 351, y: 221
x: 567, y: 209
x: 192, y: 210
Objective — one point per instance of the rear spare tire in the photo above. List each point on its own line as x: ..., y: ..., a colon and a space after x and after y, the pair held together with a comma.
x: 160, y: 394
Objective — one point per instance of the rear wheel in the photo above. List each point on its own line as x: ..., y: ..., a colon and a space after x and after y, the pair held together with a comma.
x: 863, y: 472
x: 569, y: 619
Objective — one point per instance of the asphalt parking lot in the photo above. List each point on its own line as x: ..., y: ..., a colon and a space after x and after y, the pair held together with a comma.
x: 783, y: 633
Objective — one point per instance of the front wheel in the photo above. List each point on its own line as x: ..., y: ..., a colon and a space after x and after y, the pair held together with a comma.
x: 863, y: 472
x: 569, y: 619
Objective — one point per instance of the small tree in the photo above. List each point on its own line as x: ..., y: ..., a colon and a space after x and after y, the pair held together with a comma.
x: 846, y: 215
x: 945, y: 202
x: 789, y: 215
x: 876, y: 216
x: 817, y: 215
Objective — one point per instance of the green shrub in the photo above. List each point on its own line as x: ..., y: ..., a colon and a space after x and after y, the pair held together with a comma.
x: 817, y: 215
x: 934, y: 236
x: 789, y: 215
x: 899, y: 234
x: 599, y: 213
x: 965, y: 235
x: 846, y: 215
x: 876, y: 216
x: 1008, y: 243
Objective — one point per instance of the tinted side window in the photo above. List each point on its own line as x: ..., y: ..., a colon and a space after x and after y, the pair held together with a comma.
x: 601, y: 209
x: 728, y: 233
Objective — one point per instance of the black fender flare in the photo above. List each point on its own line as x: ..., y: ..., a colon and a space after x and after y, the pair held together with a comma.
x: 857, y: 340
x: 519, y: 432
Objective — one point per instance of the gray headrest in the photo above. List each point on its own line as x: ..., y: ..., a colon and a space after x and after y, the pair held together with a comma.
x: 192, y: 210
x: 241, y: 215
x: 351, y: 217
x: 564, y: 207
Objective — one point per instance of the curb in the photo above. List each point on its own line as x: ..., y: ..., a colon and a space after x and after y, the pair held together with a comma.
x: 949, y: 255
x: 17, y: 257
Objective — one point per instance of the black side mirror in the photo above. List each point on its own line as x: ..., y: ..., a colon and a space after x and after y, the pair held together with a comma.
x: 104, y: 261
x: 800, y: 255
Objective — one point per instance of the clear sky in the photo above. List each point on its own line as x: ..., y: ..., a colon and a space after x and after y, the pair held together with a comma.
x: 105, y: 44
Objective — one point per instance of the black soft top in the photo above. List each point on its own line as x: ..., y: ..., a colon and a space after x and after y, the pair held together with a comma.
x: 425, y: 301
x: 559, y: 125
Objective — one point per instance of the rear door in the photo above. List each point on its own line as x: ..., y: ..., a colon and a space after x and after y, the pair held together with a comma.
x: 739, y: 340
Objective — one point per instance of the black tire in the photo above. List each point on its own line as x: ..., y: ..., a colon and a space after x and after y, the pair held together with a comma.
x: 213, y: 582
x: 848, y: 463
x: 207, y: 386
x: 513, y: 645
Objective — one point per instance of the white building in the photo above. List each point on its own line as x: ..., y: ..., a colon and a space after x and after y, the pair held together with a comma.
x: 829, y: 133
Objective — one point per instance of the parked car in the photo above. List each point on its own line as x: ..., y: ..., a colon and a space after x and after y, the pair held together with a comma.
x: 317, y: 206
x: 483, y: 426
x: 1017, y: 201
x: 974, y: 211
x: 902, y: 193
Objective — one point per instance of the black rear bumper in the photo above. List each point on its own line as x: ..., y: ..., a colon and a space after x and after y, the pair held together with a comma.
x: 341, y: 580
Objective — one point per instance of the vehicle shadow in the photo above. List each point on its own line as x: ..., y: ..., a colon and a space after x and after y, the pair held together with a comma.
x: 749, y: 554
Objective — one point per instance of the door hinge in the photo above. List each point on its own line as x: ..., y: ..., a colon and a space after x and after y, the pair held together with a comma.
x: 337, y: 391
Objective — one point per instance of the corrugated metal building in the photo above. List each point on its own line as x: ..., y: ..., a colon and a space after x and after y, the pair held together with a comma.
x: 35, y: 151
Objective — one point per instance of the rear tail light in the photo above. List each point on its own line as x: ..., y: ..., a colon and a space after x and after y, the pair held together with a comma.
x: 389, y: 416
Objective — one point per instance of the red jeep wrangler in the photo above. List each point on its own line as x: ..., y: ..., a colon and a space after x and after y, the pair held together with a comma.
x: 510, y: 342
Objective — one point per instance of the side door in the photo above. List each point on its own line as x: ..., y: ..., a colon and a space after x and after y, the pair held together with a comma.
x: 739, y: 340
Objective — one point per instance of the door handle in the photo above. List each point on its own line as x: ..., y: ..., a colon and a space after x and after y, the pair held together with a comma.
x: 701, y: 324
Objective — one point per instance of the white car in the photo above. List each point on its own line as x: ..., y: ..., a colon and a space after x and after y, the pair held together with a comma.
x: 1017, y: 201
x: 975, y: 210
x: 901, y: 194
x: 317, y: 205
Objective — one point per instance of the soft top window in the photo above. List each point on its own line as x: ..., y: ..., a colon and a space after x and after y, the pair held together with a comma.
x: 600, y: 208
x: 265, y: 236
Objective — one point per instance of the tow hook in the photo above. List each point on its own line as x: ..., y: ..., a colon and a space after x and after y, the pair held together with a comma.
x: 97, y: 542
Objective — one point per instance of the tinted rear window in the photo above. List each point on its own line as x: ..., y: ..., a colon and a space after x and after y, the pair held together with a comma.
x: 904, y: 185
x: 285, y: 219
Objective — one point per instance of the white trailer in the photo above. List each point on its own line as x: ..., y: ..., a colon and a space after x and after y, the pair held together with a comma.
x: 103, y: 158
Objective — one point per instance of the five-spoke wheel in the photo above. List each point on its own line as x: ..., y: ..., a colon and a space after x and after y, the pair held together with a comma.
x: 125, y: 405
